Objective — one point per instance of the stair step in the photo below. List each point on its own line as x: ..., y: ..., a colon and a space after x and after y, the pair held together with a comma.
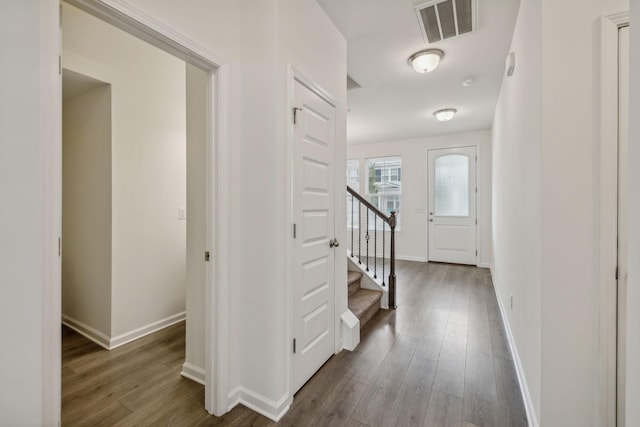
x: 364, y: 304
x: 353, y: 278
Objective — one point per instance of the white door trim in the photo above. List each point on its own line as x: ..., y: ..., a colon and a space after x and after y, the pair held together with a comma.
x: 608, y: 224
x: 51, y: 149
x: 296, y: 75
x: 133, y: 21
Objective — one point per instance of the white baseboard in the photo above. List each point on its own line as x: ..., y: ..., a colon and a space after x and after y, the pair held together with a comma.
x: 194, y: 373
x: 146, y: 330
x: 262, y: 405
x: 110, y: 343
x: 524, y: 388
x: 484, y: 265
x: 411, y: 258
x: 87, y: 331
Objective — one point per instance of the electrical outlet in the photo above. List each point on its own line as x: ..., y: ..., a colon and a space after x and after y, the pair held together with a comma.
x: 511, y: 302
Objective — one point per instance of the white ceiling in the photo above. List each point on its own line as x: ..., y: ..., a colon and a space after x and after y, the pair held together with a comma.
x: 397, y: 103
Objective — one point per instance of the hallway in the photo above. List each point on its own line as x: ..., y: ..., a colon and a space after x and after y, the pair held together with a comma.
x: 440, y: 359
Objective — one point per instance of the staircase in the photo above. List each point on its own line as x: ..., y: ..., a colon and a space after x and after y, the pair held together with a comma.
x: 370, y: 221
x: 364, y: 303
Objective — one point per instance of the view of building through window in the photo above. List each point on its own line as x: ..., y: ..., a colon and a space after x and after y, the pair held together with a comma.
x: 384, y: 183
x: 383, y: 189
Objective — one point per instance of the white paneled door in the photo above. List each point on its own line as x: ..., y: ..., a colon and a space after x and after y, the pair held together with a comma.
x: 452, y: 205
x: 313, y: 212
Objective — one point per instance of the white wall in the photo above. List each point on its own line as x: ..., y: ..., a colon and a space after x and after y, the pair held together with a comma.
x: 86, y: 206
x: 633, y: 281
x: 196, y: 108
x: 412, y: 238
x: 29, y: 229
x: 29, y: 367
x: 569, y: 210
x: 256, y: 40
x: 259, y: 40
x: 545, y: 187
x: 148, y: 167
x: 303, y: 30
x: 516, y: 194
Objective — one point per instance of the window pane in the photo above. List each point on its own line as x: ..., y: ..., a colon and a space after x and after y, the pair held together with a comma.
x: 452, y: 185
x: 353, y: 174
x: 384, y: 186
x: 353, y: 181
x: 384, y: 175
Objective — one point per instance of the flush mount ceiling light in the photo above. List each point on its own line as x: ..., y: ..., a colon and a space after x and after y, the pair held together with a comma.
x: 446, y: 114
x: 425, y: 60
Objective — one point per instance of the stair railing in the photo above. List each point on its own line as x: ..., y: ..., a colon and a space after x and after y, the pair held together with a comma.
x: 356, y: 207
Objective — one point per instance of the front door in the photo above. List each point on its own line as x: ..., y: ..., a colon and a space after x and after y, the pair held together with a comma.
x: 452, y: 205
x: 313, y: 213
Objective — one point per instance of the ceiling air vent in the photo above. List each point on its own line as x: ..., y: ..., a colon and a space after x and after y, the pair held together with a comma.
x: 445, y: 19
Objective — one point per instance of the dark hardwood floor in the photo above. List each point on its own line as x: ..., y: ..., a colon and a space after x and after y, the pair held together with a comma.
x: 440, y: 359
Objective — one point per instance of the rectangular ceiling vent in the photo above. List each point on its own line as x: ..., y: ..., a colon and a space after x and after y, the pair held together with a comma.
x: 446, y: 19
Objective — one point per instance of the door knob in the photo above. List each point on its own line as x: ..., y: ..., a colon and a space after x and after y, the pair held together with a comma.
x: 334, y: 243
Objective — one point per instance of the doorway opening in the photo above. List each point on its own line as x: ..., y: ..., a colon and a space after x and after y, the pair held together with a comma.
x: 205, y: 73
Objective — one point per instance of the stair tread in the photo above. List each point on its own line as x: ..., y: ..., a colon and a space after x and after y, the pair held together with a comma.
x: 353, y: 276
x: 363, y: 300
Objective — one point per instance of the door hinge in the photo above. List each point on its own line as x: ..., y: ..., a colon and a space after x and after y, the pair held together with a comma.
x: 476, y: 252
x: 295, y: 114
x: 476, y: 222
x: 294, y: 231
x: 476, y: 190
x: 207, y: 256
x: 59, y: 247
x: 59, y: 64
x: 294, y: 345
x: 616, y: 273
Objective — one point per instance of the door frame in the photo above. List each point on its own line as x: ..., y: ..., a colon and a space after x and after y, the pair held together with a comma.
x: 296, y: 75
x: 478, y: 193
x: 608, y: 222
x: 146, y: 28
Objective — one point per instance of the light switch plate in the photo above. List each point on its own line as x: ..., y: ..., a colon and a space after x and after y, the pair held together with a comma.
x: 182, y: 213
